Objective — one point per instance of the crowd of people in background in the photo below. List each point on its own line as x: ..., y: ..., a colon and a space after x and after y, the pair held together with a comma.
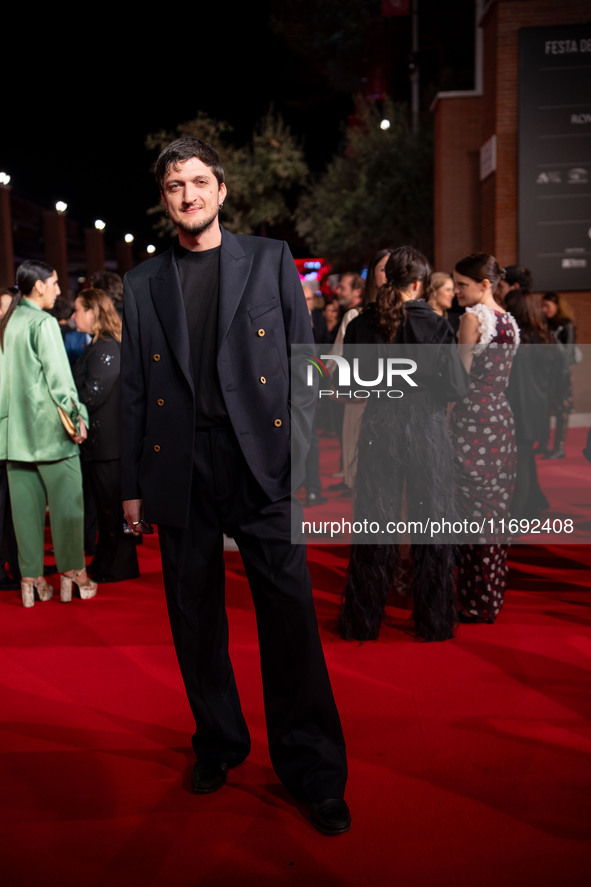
x: 492, y: 430
x: 68, y: 461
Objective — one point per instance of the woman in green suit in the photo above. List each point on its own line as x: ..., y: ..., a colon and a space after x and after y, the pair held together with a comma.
x: 42, y: 459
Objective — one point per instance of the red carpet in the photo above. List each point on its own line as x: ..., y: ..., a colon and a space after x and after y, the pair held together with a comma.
x: 469, y: 760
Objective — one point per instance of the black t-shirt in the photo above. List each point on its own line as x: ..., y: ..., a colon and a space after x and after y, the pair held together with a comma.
x: 200, y: 284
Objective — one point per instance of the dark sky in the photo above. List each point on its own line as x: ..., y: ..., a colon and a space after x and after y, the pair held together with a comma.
x: 81, y: 103
x: 74, y: 126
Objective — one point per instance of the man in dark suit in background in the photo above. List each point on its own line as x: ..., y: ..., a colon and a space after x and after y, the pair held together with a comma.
x: 206, y: 416
x: 317, y: 319
x: 313, y: 483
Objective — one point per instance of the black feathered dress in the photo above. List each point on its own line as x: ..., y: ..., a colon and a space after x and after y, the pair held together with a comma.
x: 406, y: 472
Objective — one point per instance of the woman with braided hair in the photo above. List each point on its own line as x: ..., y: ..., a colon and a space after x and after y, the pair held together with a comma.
x: 405, y: 463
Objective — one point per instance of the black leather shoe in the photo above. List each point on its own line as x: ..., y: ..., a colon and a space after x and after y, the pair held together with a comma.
x: 331, y: 816
x: 208, y: 776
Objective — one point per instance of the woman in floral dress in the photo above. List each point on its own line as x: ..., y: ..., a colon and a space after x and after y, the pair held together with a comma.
x: 482, y: 427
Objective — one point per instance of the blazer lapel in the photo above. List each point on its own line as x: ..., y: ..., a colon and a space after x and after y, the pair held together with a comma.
x: 167, y: 297
x: 235, y: 265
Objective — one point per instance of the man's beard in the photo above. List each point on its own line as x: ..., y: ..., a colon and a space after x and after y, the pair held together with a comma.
x: 196, y: 228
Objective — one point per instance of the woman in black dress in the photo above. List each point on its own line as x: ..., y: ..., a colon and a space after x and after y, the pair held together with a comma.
x: 406, y: 458
x: 96, y: 374
x: 536, y: 364
x: 561, y: 323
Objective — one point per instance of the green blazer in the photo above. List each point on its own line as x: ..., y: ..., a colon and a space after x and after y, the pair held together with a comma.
x: 35, y: 378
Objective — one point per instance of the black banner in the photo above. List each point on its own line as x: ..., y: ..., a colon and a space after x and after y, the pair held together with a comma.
x: 555, y: 156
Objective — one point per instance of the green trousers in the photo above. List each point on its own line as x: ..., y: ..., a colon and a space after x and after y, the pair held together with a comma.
x: 33, y: 486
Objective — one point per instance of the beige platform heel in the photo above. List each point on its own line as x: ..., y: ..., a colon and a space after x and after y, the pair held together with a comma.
x: 85, y: 591
x: 35, y: 588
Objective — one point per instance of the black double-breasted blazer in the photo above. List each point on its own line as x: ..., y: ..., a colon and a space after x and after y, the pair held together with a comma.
x: 262, y: 311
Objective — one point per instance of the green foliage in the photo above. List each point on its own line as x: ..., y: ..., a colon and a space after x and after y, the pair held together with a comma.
x: 263, y: 178
x: 376, y: 193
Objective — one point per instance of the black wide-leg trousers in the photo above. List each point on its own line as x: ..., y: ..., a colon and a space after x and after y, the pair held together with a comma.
x: 306, y: 742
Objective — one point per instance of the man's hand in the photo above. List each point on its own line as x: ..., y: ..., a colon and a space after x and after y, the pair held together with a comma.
x: 133, y: 513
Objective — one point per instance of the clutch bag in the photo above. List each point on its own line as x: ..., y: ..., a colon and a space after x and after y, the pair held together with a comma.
x: 67, y: 423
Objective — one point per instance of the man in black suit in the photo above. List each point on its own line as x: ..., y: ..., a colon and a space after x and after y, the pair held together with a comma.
x: 207, y: 416
x: 313, y: 484
x: 317, y: 319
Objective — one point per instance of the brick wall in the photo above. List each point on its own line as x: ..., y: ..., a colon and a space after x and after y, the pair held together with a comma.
x: 457, y: 210
x: 501, y: 24
x: 486, y: 218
